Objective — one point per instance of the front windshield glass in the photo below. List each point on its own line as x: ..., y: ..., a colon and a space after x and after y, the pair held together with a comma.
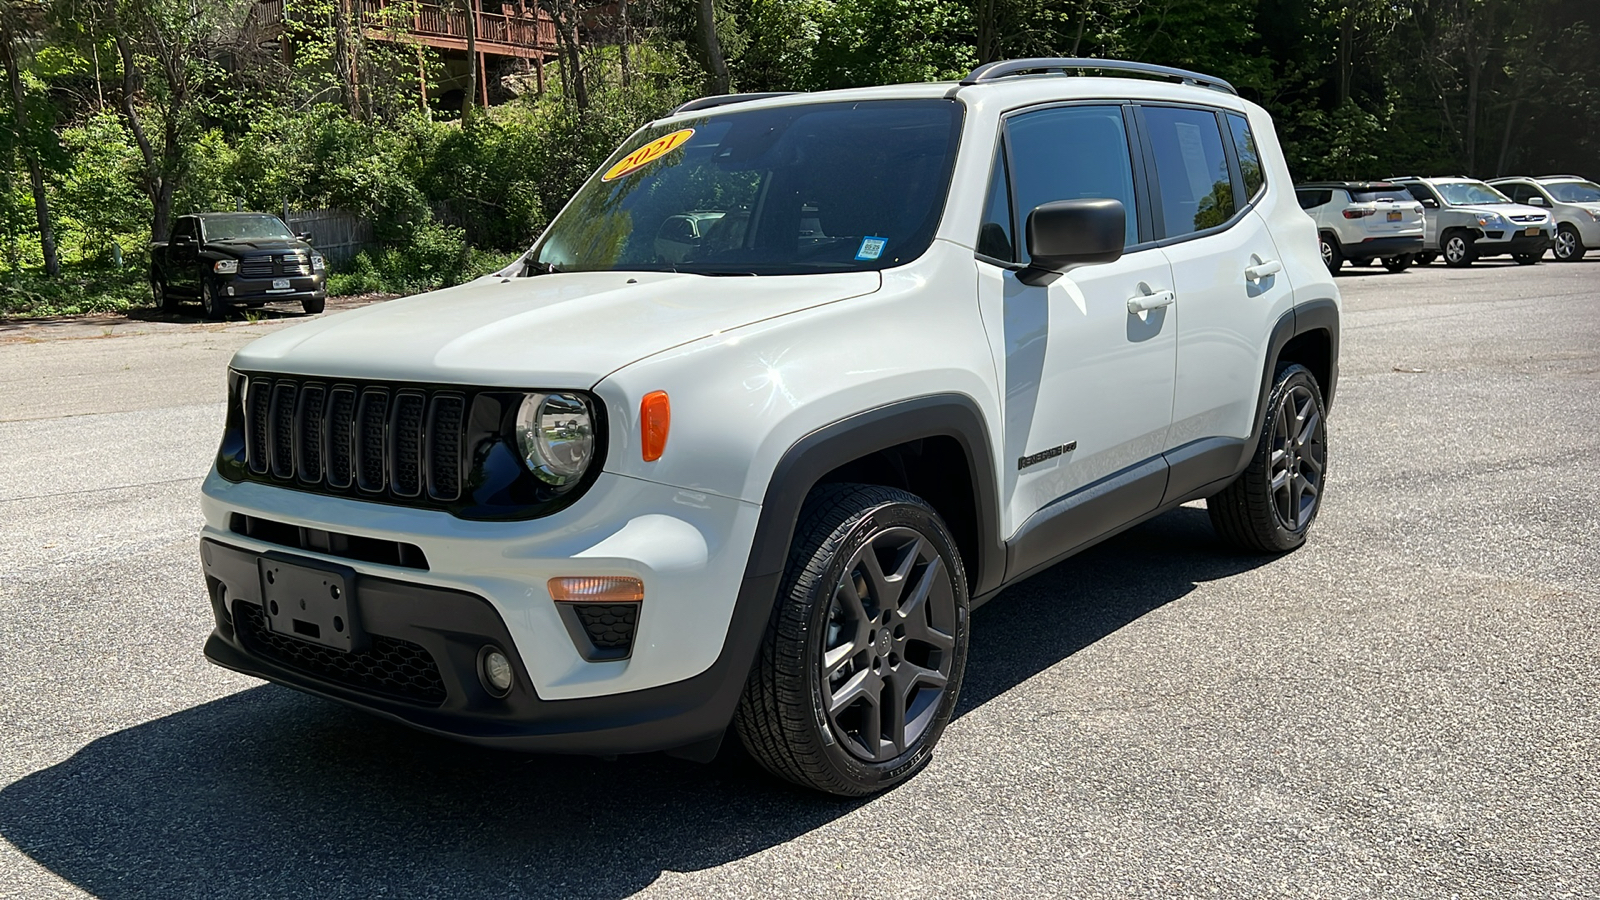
x: 246, y: 228
x: 1470, y: 193
x: 828, y: 187
x: 1575, y: 192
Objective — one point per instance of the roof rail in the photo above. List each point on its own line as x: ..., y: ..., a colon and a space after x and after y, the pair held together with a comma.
x: 1011, y: 67
x: 716, y: 100
x: 1573, y: 177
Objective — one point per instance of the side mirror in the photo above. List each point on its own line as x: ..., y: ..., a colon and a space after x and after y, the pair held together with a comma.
x: 1065, y: 234
x: 182, y: 240
x: 1536, y: 200
x: 1429, y: 203
x: 304, y: 236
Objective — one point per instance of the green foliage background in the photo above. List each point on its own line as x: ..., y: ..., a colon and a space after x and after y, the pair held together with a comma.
x: 1359, y: 89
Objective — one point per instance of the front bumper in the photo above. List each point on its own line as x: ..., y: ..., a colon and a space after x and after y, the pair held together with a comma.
x: 235, y: 289
x: 1518, y: 241
x: 485, y: 584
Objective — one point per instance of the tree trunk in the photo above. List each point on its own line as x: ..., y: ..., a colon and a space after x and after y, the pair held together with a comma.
x: 1347, y: 37
x: 19, y: 124
x: 470, y: 101
x: 344, y: 58
x: 623, y: 48
x: 155, y: 185
x: 1505, y: 142
x: 566, y: 19
x: 718, y: 82
x: 988, y: 30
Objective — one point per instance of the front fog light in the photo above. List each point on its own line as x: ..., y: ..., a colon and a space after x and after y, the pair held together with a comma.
x: 555, y: 435
x: 495, y: 670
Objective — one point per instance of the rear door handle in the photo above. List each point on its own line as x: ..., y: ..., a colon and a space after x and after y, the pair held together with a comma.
x: 1263, y: 270
x: 1145, y: 302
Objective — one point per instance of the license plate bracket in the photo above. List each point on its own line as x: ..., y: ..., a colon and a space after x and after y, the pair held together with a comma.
x: 313, y: 602
x: 1532, y: 230
x: 280, y: 284
x: 1394, y: 215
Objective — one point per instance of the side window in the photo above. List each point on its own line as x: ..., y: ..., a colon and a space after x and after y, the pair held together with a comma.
x: 1196, y: 192
x: 1244, y: 144
x: 1071, y: 153
x: 994, y: 235
x: 185, y: 227
x: 1419, y: 192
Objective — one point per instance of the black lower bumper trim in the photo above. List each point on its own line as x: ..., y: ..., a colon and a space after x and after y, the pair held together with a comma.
x: 1384, y: 246
x: 452, y: 627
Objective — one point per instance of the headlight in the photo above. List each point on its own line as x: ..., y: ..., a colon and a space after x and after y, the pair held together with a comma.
x: 225, y: 266
x: 555, y: 435
x: 1489, y: 221
x: 318, y: 264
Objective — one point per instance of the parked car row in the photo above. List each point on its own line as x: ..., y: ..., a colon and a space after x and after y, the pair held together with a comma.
x: 1409, y: 220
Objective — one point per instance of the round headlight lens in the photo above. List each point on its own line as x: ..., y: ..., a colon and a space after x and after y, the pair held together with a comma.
x: 555, y: 434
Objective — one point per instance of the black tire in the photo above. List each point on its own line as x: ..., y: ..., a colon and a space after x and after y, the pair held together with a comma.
x: 836, y: 604
x: 314, y: 305
x: 1266, y: 509
x: 1569, y: 245
x: 1398, y: 263
x: 1363, y: 261
x: 1332, y: 256
x: 1526, y: 259
x: 158, y: 290
x: 210, y: 304
x: 1425, y: 258
x: 1458, y: 250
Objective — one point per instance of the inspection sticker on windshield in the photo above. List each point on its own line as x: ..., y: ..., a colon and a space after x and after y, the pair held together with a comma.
x: 871, y: 247
x: 647, y: 154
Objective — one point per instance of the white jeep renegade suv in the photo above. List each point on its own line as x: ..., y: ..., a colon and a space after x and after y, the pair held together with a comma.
x: 938, y: 338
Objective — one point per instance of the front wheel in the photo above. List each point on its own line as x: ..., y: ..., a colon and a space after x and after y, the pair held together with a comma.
x: 1458, y: 250
x: 209, y: 304
x: 1332, y: 257
x: 862, y: 661
x: 1269, y: 508
x: 1526, y: 259
x: 313, y: 305
x: 1397, y: 263
x: 1569, y: 245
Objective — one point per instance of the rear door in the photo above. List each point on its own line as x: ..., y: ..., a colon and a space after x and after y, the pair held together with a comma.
x: 1088, y: 384
x: 1424, y: 195
x: 184, y: 252
x: 1231, y: 287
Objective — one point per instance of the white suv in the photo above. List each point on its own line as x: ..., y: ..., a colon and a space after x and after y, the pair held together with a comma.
x: 1362, y: 221
x: 940, y: 337
x: 1572, y: 201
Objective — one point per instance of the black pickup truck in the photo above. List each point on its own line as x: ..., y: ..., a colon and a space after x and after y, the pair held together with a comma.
x: 223, y: 259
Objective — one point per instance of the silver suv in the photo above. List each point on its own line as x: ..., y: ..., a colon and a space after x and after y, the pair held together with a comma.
x: 1468, y: 220
x: 1362, y: 221
x: 1573, y: 202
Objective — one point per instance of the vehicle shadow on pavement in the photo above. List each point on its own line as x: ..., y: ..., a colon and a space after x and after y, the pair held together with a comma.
x: 270, y: 793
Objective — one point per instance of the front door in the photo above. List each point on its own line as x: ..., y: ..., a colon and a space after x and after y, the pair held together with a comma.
x: 1088, y: 384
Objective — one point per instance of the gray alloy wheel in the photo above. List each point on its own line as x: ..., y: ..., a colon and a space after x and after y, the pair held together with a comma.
x: 861, y: 665
x: 1331, y: 257
x: 1569, y: 245
x: 1269, y: 508
x: 1458, y: 250
x: 208, y: 302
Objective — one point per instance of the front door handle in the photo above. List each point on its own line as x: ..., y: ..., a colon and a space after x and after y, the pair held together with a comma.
x: 1145, y: 302
x: 1262, y: 270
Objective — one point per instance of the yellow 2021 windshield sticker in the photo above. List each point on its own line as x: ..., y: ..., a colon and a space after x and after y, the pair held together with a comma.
x: 647, y: 154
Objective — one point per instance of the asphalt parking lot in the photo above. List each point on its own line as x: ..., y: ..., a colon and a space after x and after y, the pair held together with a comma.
x: 1406, y: 707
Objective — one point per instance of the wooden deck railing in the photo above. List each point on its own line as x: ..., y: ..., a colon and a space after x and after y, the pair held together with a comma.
x: 517, y: 29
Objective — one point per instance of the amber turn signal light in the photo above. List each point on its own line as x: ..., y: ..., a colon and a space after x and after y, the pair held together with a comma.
x: 655, y: 417
x: 596, y: 589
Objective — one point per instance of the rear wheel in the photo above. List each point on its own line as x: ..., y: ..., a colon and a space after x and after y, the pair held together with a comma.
x: 158, y: 290
x: 1332, y: 257
x: 1526, y: 259
x: 1569, y: 245
x: 862, y: 661
x: 1270, y: 507
x: 1398, y: 263
x: 1458, y: 249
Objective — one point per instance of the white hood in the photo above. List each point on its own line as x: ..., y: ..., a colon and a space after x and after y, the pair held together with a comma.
x: 567, y: 330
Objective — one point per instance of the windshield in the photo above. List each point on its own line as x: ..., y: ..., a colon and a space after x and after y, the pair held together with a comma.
x: 246, y: 228
x: 1467, y: 193
x: 828, y: 187
x: 1575, y: 192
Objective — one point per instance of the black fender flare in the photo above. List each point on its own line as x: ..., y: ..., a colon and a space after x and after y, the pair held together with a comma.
x: 1303, y: 318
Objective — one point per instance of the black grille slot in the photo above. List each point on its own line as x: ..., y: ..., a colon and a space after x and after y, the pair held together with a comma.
x: 444, y: 446
x: 294, y: 264
x: 256, y: 400
x: 333, y: 543
x: 341, y: 418
x: 256, y: 267
x: 283, y: 429
x: 405, y: 439
x: 371, y: 420
x: 390, y: 666
x: 308, y: 438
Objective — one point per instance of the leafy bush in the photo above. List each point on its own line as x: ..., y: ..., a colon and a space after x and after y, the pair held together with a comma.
x: 436, y: 256
x: 79, y: 290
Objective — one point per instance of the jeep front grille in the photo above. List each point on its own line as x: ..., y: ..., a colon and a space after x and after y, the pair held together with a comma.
x: 378, y: 441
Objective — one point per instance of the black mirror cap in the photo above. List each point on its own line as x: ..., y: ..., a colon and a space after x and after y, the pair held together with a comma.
x: 1430, y: 203
x: 304, y: 236
x: 1065, y: 234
